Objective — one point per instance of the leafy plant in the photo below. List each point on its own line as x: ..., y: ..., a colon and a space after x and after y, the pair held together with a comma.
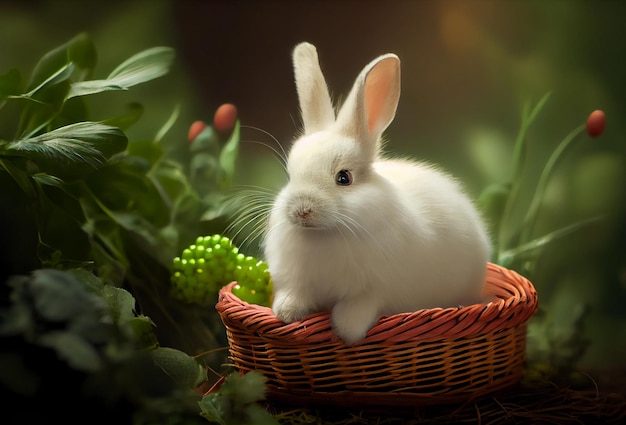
x: 519, y: 247
x: 76, y: 192
x: 50, y: 163
x: 516, y: 245
x: 236, y: 402
x: 91, y: 222
x: 66, y: 328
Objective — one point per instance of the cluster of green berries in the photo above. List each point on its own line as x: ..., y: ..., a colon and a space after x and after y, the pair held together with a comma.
x: 212, y: 262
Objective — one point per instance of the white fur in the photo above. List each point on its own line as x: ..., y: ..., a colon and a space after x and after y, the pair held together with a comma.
x: 402, y: 237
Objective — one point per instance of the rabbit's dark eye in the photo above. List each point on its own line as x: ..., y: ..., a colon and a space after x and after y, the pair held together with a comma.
x: 344, y: 178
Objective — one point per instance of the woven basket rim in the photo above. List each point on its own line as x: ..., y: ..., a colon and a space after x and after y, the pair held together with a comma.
x: 514, y: 301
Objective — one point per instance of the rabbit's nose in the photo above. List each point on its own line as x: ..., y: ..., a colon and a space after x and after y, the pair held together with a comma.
x: 304, y: 212
x: 304, y: 216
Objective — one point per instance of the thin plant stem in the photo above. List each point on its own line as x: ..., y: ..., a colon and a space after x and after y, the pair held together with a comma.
x: 519, y: 156
x: 507, y: 257
x: 168, y: 124
x: 557, y: 154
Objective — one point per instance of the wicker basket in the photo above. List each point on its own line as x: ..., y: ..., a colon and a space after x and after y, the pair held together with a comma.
x: 431, y: 356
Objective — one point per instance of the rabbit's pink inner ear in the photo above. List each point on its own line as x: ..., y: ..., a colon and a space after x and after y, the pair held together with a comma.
x: 382, y: 92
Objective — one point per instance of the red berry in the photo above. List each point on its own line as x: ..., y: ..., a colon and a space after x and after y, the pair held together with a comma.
x: 225, y: 118
x: 195, y: 129
x: 596, y: 123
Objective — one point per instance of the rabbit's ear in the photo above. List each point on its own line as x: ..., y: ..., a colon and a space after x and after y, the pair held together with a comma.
x: 315, y: 104
x: 371, y: 105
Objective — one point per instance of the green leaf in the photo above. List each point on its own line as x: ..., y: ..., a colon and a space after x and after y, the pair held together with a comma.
x: 183, y: 369
x: 62, y: 242
x: 90, y: 281
x: 48, y: 65
x: 75, y: 350
x: 146, y: 149
x: 124, y: 215
x: 82, y: 52
x: 133, y: 113
x: 42, y: 108
x: 215, y: 206
x: 187, y: 209
x: 60, y: 75
x: 72, y: 111
x: 50, y: 84
x: 84, y: 142
x: 235, y: 403
x: 205, y: 172
x: 143, y: 329
x: 228, y: 157
x: 172, y: 179
x: 207, y: 140
x: 61, y: 296
x: 213, y: 409
x: 146, y: 235
x: 48, y: 180
x: 112, y: 265
x: 144, y: 66
x: 123, y: 187
x: 108, y: 246
x: 121, y: 303
x: 250, y: 387
x: 79, y: 50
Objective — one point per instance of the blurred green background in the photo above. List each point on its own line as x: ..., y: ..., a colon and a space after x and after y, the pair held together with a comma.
x: 468, y: 68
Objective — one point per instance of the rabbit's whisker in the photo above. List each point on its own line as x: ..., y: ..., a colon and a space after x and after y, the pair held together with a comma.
x: 250, y: 210
x: 279, y: 152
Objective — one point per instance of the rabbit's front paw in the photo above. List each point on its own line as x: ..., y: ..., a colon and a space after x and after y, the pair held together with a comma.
x: 352, y: 319
x: 288, y: 311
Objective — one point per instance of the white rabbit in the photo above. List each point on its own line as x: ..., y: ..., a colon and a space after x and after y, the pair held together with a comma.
x: 359, y: 235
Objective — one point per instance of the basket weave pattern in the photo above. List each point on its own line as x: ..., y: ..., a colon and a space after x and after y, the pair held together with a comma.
x: 429, y: 356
